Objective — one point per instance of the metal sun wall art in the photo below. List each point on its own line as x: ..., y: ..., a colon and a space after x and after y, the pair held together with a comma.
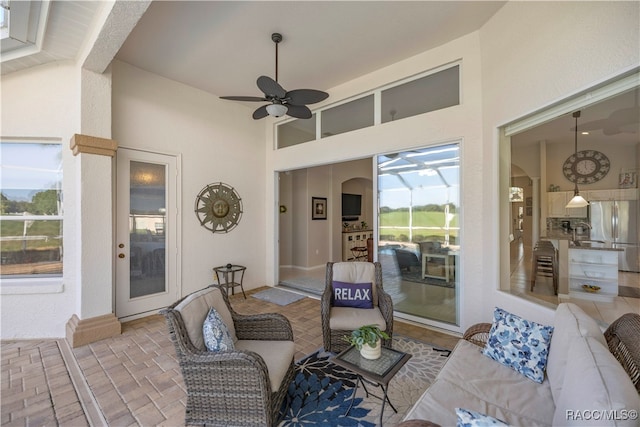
x: 218, y: 207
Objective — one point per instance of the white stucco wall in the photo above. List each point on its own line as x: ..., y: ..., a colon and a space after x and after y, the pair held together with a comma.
x: 527, y: 56
x: 219, y: 142
x: 44, y: 102
x: 456, y: 123
x: 553, y: 50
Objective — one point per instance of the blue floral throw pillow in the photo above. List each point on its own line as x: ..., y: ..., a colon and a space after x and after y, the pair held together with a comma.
x: 467, y: 418
x: 519, y: 344
x: 215, y: 333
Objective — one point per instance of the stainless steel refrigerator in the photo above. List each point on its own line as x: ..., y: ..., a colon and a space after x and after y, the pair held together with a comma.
x: 616, y: 222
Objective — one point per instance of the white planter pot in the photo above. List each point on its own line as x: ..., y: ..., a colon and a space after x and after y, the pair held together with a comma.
x: 369, y: 352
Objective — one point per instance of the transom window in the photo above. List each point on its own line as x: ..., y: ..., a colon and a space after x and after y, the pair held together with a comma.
x: 430, y: 91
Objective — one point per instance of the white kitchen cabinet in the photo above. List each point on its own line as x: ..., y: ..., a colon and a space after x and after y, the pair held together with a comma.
x: 615, y: 194
x: 556, y: 202
x: 594, y: 268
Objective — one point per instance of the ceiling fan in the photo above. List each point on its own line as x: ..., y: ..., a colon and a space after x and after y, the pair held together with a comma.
x: 624, y: 120
x: 282, y: 102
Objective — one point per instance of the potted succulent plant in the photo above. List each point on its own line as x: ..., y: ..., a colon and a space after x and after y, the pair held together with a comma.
x: 367, y: 339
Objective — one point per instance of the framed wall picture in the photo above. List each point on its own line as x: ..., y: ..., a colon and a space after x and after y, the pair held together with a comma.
x: 628, y: 180
x: 318, y: 208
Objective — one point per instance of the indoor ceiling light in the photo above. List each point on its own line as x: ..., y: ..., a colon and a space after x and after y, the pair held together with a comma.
x: 577, y: 201
x: 276, y: 110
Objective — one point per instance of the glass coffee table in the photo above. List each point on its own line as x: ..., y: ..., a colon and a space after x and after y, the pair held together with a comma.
x: 376, y: 372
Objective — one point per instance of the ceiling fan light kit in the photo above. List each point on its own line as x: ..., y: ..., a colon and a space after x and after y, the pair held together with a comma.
x: 292, y: 103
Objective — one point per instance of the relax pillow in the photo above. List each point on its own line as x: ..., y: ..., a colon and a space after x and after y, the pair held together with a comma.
x: 520, y: 344
x: 467, y: 418
x: 215, y: 333
x: 355, y: 295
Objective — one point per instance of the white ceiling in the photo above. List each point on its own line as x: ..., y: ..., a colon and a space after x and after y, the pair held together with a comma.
x: 223, y: 46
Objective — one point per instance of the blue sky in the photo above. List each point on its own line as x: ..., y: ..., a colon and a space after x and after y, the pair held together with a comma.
x: 25, y: 167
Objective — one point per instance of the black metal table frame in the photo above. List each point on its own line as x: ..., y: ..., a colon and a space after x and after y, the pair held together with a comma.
x: 382, y: 381
x: 231, y: 284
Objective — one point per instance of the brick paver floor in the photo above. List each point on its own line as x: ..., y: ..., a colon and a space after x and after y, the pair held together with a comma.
x: 133, y: 379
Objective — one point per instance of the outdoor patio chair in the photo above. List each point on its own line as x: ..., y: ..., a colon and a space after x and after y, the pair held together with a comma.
x: 339, y: 321
x: 623, y: 338
x: 242, y: 386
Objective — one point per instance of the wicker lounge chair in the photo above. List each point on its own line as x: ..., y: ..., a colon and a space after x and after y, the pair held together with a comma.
x: 245, y: 386
x: 338, y: 322
x: 623, y: 338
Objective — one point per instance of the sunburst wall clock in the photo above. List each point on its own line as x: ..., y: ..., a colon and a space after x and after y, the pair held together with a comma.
x: 218, y: 207
x: 586, y: 167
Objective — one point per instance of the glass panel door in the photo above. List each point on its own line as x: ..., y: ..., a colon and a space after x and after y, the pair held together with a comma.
x: 146, y: 266
x: 146, y: 228
x: 419, y: 233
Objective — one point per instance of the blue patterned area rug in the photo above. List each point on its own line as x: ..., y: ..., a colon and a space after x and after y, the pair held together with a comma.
x: 321, y: 391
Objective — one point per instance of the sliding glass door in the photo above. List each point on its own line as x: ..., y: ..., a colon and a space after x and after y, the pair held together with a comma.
x: 419, y: 233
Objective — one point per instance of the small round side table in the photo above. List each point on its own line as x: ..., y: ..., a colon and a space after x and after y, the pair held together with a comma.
x: 225, y: 272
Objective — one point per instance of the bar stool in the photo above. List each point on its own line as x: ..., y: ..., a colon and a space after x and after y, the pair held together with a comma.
x: 544, y: 262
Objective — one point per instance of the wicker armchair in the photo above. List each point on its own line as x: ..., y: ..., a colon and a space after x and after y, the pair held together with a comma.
x: 478, y: 334
x: 338, y: 322
x: 623, y: 338
x: 245, y: 386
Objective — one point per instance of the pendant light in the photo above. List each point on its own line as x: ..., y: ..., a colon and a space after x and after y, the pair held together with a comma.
x: 577, y: 201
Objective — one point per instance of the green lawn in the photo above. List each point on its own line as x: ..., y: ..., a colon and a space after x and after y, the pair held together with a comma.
x: 433, y: 220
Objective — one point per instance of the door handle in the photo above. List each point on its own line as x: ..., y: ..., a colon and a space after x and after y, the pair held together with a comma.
x: 120, y: 255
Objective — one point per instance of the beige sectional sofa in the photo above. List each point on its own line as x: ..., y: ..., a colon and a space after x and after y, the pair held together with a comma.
x: 584, y: 383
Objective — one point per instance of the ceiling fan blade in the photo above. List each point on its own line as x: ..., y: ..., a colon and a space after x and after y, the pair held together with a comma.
x: 260, y: 113
x: 305, y: 96
x: 244, y: 98
x: 270, y: 87
x: 298, y: 111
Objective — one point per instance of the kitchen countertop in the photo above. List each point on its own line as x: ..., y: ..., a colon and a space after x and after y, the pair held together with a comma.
x: 559, y: 235
x: 594, y: 246
x: 586, y: 243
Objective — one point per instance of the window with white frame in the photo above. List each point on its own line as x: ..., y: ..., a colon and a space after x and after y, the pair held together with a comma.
x: 429, y: 91
x: 31, y: 208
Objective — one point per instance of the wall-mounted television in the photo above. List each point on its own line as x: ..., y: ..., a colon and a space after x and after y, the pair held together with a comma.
x: 351, y: 205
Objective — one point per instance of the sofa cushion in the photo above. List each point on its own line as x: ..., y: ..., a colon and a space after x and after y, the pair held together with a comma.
x: 471, y: 381
x: 569, y: 322
x: 356, y: 272
x: 348, y: 319
x: 194, y: 310
x: 467, y: 418
x: 215, y: 333
x: 356, y: 295
x: 596, y: 389
x: 519, y: 343
x: 277, y: 362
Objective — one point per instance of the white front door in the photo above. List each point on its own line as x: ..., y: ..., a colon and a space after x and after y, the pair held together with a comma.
x: 146, y: 232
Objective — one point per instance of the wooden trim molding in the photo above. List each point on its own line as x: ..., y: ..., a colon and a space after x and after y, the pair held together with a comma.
x: 93, y: 145
x: 85, y: 331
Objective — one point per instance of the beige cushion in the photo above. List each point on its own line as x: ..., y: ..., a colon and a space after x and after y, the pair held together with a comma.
x: 569, y: 321
x: 438, y: 404
x: 194, y: 309
x: 277, y: 355
x: 492, y: 389
x: 348, y: 319
x: 357, y: 272
x: 595, y: 383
